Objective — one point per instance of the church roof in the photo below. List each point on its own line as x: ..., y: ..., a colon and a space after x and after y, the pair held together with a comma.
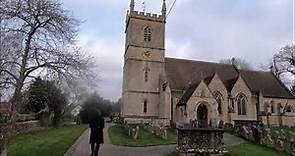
x: 187, y: 94
x: 266, y: 82
x: 181, y: 73
x: 187, y: 74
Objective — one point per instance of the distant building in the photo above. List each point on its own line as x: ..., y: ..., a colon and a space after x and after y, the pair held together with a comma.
x: 170, y: 90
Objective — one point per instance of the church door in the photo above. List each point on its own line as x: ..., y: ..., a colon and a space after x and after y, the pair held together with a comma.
x: 202, y: 116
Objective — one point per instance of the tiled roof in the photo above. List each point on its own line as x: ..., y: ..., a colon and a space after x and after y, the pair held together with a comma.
x: 187, y: 74
x: 266, y: 82
x: 181, y: 73
x: 188, y: 93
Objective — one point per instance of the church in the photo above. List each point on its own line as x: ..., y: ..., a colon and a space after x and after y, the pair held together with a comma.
x: 161, y: 90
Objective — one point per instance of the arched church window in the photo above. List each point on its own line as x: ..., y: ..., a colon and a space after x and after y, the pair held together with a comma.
x: 289, y: 108
x: 147, y: 34
x: 218, y: 97
x: 145, y: 106
x: 241, y: 102
x: 272, y: 107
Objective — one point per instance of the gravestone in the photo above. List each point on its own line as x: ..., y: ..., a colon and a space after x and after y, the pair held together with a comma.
x: 256, y: 134
x: 221, y: 124
x: 136, y: 131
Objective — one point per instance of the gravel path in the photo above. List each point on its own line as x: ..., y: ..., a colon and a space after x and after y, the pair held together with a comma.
x: 82, y: 148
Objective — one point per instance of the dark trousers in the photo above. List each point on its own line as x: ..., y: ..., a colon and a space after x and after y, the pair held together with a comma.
x: 94, y: 149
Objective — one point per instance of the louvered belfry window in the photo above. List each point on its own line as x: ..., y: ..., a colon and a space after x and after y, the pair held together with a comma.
x: 147, y: 34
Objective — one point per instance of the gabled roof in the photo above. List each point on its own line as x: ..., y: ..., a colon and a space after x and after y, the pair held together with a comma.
x: 229, y: 84
x: 181, y: 73
x: 188, y: 93
x: 266, y: 82
x: 187, y: 74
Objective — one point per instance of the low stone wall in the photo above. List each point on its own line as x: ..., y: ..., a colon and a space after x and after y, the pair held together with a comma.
x: 21, y: 127
x: 260, y: 134
x: 288, y: 121
x: 153, y: 122
x: 28, y: 126
x: 276, y: 120
x: 133, y: 130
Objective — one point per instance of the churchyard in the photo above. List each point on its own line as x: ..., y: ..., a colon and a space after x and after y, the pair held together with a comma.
x: 168, y: 106
x: 140, y: 136
x: 257, y: 140
x: 272, y: 141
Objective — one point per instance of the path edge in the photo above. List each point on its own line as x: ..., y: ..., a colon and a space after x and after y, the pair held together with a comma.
x: 71, y: 150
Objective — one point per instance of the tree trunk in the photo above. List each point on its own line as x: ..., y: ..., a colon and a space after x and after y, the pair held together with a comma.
x: 16, y: 100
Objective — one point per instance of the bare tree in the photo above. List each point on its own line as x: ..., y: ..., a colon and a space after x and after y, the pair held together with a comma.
x: 44, y: 34
x: 284, y: 61
x: 239, y: 63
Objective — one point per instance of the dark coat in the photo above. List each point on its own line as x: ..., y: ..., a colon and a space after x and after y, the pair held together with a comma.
x: 96, y: 125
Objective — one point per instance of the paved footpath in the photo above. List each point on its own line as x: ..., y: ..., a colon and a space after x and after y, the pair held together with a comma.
x: 82, y: 148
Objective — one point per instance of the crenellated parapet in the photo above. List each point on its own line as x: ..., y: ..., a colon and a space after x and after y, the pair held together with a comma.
x: 145, y: 16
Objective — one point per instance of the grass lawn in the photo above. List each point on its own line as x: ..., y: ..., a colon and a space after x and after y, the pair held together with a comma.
x: 50, y: 142
x: 119, y: 136
x: 250, y: 149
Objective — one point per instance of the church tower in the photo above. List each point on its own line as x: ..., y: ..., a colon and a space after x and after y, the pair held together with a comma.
x: 144, y: 62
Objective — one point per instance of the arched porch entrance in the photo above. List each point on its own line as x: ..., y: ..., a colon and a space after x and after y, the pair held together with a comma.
x: 202, y: 115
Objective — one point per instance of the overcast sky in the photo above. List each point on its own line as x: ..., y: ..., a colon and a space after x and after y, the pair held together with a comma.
x: 207, y: 30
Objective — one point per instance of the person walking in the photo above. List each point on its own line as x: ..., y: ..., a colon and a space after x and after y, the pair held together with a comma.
x: 96, y: 125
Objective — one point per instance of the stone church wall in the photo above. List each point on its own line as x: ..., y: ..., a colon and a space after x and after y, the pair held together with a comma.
x: 288, y: 121
x: 272, y: 105
x: 165, y: 100
x: 144, y: 62
x: 202, y: 95
x: 134, y: 107
x: 241, y: 88
x: 216, y: 85
x: 137, y: 81
x: 178, y: 112
x: 135, y: 26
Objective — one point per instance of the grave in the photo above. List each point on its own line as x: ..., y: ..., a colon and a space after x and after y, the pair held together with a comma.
x: 205, y: 141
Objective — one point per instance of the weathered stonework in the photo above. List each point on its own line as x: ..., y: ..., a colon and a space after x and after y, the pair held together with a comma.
x: 169, y: 91
x: 145, y: 56
x: 200, y: 141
